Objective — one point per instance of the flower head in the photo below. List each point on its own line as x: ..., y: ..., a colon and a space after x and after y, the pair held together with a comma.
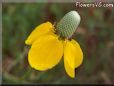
x: 50, y: 43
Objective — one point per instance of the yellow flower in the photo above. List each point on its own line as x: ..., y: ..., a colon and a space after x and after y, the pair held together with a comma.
x: 47, y: 49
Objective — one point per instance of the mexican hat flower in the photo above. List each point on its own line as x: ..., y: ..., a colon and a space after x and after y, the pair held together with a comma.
x: 49, y: 43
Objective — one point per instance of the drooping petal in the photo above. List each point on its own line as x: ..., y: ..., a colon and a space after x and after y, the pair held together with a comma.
x: 73, y: 56
x: 40, y: 30
x: 69, y: 59
x: 45, y: 52
x: 69, y: 70
x: 79, y: 54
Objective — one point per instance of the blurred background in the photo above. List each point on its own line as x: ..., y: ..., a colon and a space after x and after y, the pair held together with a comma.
x: 95, y: 35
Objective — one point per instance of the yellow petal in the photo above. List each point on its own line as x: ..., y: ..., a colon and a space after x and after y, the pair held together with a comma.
x: 79, y: 54
x: 73, y: 56
x: 40, y: 30
x: 69, y: 70
x: 69, y: 58
x: 45, y: 52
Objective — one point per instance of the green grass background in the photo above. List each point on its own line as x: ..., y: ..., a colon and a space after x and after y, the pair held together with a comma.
x: 95, y: 35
